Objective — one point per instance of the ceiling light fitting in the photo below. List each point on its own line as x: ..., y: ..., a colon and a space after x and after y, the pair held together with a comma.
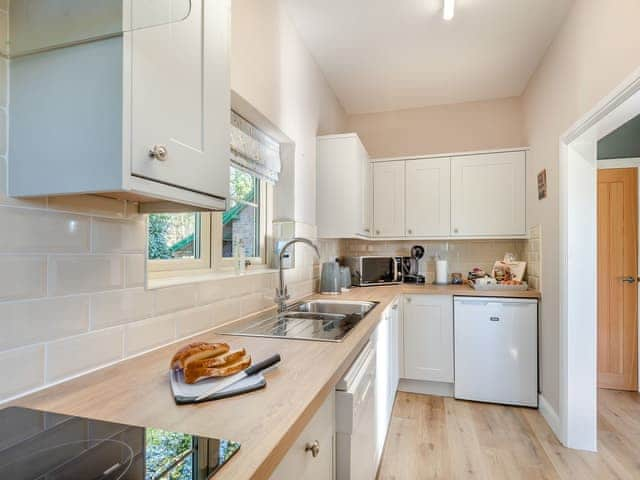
x: 448, y: 9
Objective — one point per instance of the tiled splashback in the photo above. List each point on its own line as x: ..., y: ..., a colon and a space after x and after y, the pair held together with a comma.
x: 462, y: 255
x: 533, y: 256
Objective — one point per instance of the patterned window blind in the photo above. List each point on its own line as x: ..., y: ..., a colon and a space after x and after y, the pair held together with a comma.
x: 253, y: 150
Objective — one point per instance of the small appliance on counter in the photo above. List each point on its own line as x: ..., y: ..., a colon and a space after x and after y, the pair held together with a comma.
x: 411, y: 266
x: 37, y: 444
x: 330, y: 280
x: 345, y: 279
x: 372, y: 271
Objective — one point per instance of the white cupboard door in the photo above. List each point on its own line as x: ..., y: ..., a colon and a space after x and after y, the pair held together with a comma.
x: 428, y: 197
x: 428, y: 338
x: 488, y: 194
x: 366, y: 194
x: 311, y: 456
x: 388, y: 199
x: 180, y: 100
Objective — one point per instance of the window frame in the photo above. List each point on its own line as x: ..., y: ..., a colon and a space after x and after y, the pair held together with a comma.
x: 161, y: 267
x: 211, y: 230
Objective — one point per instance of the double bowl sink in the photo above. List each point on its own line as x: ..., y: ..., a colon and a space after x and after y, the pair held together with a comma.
x: 320, y: 320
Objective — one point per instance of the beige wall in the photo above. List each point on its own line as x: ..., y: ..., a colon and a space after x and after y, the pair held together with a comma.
x: 595, y: 50
x: 442, y: 129
x: 273, y: 71
x: 73, y: 299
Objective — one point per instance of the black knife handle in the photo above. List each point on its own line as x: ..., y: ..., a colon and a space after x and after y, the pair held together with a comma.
x: 258, y: 367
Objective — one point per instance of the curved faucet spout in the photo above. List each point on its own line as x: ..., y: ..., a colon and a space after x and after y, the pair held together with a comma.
x: 282, y: 294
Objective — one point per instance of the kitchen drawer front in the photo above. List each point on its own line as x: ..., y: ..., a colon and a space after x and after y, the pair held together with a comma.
x: 299, y: 462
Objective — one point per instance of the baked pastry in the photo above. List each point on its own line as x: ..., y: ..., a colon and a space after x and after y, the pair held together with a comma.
x: 195, y: 372
x: 221, y: 360
x: 197, y: 351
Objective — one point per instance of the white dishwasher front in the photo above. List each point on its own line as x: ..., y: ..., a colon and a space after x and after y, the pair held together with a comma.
x: 496, y: 350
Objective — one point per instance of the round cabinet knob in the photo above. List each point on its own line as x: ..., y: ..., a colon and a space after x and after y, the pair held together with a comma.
x: 455, y: 230
x: 367, y: 230
x: 409, y: 231
x: 377, y: 232
x: 314, y: 448
x: 408, y: 299
x: 159, y: 152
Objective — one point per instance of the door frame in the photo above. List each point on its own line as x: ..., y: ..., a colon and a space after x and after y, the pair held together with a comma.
x: 578, y: 261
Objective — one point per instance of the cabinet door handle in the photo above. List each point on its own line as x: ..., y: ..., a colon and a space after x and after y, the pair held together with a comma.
x: 410, y: 231
x: 377, y: 232
x: 455, y: 230
x: 159, y: 152
x: 408, y: 299
x: 395, y: 307
x: 314, y: 448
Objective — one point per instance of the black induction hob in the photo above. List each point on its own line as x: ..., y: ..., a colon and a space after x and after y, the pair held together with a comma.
x: 37, y: 445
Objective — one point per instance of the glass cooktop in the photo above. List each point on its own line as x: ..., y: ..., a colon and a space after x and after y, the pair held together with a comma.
x: 37, y: 445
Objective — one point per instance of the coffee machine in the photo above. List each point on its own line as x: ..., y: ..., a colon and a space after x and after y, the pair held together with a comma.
x: 411, y: 266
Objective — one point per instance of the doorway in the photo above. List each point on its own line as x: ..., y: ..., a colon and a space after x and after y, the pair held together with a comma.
x: 618, y: 278
x: 578, y: 306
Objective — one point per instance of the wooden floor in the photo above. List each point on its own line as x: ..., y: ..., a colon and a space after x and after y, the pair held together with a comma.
x: 436, y: 437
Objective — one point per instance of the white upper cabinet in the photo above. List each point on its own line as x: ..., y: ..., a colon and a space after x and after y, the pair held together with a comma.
x: 428, y: 197
x: 428, y: 338
x: 343, y: 188
x: 388, y: 199
x: 488, y: 195
x: 142, y: 115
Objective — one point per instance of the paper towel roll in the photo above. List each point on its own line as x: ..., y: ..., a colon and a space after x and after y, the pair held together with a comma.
x: 442, y: 272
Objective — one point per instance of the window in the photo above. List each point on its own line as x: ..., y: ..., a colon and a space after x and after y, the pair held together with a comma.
x: 241, y: 221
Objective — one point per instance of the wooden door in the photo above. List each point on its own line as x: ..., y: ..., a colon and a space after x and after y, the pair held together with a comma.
x: 180, y: 99
x: 388, y: 199
x: 617, y: 279
x: 488, y: 194
x: 428, y: 197
x: 428, y: 337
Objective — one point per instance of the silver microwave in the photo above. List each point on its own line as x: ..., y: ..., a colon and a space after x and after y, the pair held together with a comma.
x: 370, y: 271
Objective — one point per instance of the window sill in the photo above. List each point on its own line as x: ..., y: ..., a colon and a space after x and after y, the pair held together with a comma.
x: 186, y: 278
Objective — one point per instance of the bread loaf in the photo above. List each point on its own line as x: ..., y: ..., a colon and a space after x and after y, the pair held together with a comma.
x: 193, y: 372
x: 197, y: 351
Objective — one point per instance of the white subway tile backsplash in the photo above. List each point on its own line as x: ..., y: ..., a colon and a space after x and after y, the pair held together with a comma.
x: 119, y: 307
x: 69, y: 274
x: 81, y: 353
x: 210, y: 292
x: 89, y: 205
x: 134, y: 270
x: 22, y: 277
x: 194, y: 321
x: 29, y: 322
x: 173, y: 299
x: 26, y: 367
x: 146, y: 334
x: 225, y: 311
x: 40, y: 231
x: 115, y: 236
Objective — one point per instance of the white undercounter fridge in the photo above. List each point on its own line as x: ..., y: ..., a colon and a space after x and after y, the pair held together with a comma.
x: 496, y: 350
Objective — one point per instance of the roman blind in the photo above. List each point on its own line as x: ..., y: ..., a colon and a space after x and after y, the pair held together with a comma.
x: 253, y: 150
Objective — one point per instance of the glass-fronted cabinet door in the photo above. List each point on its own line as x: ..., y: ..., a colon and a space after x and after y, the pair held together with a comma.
x: 31, y: 26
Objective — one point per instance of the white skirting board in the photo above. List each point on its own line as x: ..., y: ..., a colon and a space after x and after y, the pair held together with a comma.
x: 550, y: 415
x: 426, y: 388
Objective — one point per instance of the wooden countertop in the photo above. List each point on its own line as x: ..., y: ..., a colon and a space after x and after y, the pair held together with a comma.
x: 266, y: 422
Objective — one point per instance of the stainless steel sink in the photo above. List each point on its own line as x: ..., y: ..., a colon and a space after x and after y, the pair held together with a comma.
x: 341, y: 307
x: 321, y: 320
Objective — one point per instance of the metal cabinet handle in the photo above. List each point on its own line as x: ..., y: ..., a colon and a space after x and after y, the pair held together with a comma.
x: 629, y: 280
x: 314, y: 448
x: 455, y: 230
x: 377, y: 232
x: 409, y: 231
x: 159, y: 152
x: 367, y: 230
x: 395, y: 307
x: 408, y: 299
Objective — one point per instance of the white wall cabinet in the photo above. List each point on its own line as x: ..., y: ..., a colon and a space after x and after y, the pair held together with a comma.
x: 300, y: 461
x: 428, y: 338
x: 85, y: 118
x: 343, y: 187
x: 428, y: 197
x: 388, y: 199
x: 488, y: 194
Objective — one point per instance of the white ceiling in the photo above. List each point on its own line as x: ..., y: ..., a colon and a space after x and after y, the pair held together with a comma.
x: 381, y: 55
